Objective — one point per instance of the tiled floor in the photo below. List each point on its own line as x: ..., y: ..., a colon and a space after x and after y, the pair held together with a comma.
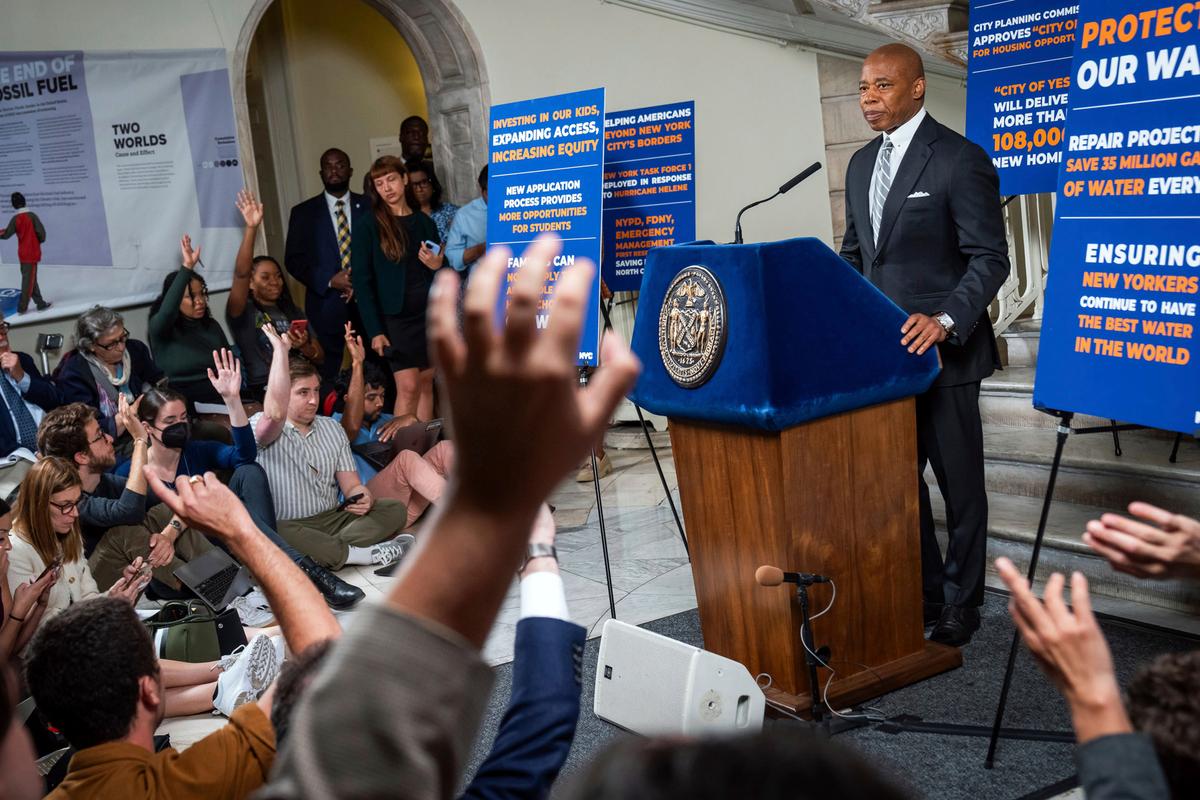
x: 651, y: 576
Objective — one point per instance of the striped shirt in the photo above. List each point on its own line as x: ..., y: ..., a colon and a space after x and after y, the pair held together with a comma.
x: 301, y: 468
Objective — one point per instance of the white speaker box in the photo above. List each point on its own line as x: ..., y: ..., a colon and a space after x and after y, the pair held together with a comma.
x: 653, y: 685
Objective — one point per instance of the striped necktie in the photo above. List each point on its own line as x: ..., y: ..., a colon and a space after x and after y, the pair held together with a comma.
x: 881, y: 185
x: 26, y: 427
x: 343, y: 233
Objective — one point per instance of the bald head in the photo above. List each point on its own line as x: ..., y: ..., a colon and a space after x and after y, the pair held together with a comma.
x: 892, y: 87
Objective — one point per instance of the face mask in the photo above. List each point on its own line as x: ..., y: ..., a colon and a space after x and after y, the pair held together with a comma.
x: 176, y: 436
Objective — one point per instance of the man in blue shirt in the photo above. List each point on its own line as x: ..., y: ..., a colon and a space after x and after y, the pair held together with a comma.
x: 467, y: 238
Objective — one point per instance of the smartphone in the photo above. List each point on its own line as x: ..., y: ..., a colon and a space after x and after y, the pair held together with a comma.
x: 434, y: 246
x: 55, y: 564
x: 349, y: 501
x: 297, y: 327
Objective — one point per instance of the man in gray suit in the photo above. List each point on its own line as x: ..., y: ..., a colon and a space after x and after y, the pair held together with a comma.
x: 923, y: 223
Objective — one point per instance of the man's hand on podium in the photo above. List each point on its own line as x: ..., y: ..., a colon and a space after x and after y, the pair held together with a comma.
x: 921, y: 332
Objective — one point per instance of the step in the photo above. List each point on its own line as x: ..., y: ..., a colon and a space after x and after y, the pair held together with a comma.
x: 1020, y: 347
x: 1006, y: 398
x: 1012, y: 528
x: 1018, y: 462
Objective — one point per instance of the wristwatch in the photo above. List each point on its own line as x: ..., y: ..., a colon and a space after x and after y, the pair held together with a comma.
x: 176, y: 524
x: 945, y: 320
x: 538, y: 550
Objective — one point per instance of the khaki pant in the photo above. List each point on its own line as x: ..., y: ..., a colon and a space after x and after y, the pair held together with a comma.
x: 415, y: 480
x: 327, y: 537
x: 122, y: 544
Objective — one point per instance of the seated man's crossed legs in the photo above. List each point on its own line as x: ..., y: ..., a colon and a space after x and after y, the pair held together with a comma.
x: 335, y: 538
x: 415, y: 480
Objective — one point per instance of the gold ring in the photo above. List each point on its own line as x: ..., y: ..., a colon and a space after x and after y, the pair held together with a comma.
x: 196, y: 479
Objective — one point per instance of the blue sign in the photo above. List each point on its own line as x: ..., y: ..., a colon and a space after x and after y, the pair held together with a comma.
x: 1119, y: 335
x: 649, y: 187
x: 546, y: 168
x: 1018, y: 77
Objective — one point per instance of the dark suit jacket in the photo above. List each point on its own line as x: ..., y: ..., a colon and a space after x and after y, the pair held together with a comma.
x: 76, y: 384
x: 311, y: 252
x: 41, y: 393
x: 539, y: 723
x: 942, y: 245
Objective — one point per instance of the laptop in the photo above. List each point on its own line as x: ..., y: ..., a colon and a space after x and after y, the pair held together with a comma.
x: 419, y: 437
x: 215, y: 578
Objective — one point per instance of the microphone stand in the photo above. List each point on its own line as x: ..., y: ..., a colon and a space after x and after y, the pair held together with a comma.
x: 784, y: 189
x: 737, y: 230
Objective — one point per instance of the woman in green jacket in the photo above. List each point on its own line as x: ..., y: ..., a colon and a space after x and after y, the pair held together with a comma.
x: 391, y: 268
x: 183, y: 333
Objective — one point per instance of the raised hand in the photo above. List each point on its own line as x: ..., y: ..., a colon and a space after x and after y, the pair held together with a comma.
x: 513, y: 393
x: 354, y: 346
x: 251, y: 209
x: 278, y: 341
x: 227, y: 380
x: 1166, y: 545
x: 190, y: 256
x: 1070, y: 648
x: 128, y: 417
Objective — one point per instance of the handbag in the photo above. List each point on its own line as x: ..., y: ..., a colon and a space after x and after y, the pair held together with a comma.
x: 188, y: 630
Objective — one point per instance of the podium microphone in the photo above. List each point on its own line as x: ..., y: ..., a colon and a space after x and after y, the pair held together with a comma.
x: 773, y: 576
x: 787, y: 187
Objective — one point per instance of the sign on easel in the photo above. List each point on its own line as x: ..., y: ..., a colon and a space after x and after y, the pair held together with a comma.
x: 649, y: 187
x: 1018, y: 77
x: 1119, y: 338
x: 546, y: 160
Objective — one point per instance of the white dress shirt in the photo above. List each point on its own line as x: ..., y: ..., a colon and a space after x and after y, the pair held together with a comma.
x: 332, y: 203
x: 543, y: 595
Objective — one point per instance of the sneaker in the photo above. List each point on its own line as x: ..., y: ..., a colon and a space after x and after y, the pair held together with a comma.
x: 387, y: 553
x: 248, y: 676
x: 603, y: 466
x: 253, y: 610
x: 280, y: 648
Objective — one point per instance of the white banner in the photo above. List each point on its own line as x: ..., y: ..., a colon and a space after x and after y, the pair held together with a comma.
x: 119, y: 155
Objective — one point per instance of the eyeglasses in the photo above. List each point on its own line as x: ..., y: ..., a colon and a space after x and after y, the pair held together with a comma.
x: 99, y: 437
x: 118, y: 342
x: 68, y: 508
x: 4, y: 326
x: 422, y: 184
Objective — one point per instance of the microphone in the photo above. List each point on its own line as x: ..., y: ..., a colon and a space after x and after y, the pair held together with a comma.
x: 773, y: 576
x: 784, y: 189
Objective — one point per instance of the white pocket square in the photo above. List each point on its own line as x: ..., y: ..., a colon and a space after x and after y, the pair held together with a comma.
x: 918, y: 194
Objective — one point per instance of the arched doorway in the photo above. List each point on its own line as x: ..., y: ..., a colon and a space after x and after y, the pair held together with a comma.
x: 452, y: 70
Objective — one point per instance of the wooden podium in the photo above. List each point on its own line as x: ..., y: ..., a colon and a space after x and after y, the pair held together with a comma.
x: 807, y: 464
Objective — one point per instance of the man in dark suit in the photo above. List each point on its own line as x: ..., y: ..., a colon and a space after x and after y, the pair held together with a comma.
x: 25, y: 395
x: 923, y: 223
x: 317, y: 254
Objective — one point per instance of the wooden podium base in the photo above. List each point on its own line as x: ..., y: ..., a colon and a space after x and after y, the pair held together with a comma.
x: 837, y: 497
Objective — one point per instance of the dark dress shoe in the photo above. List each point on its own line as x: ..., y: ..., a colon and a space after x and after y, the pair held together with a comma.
x: 956, y: 626
x: 932, y: 612
x: 338, y: 594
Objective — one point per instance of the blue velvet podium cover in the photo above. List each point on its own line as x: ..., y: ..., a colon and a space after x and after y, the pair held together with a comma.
x: 808, y: 337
